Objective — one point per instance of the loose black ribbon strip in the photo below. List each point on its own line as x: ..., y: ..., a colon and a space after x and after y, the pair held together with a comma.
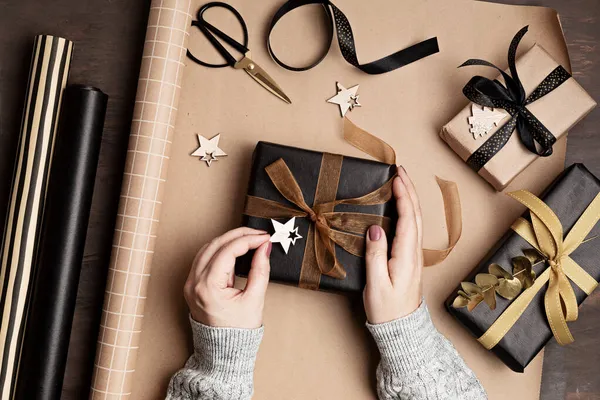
x: 512, y: 98
x: 346, y: 42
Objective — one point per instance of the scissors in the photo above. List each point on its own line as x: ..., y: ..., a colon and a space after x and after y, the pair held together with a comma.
x: 211, y: 32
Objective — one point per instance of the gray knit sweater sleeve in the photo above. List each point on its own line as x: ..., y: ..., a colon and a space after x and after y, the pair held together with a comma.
x: 419, y: 363
x: 221, y: 367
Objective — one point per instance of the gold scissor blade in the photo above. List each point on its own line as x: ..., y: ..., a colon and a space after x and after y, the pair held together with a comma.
x: 266, y: 82
x: 260, y: 76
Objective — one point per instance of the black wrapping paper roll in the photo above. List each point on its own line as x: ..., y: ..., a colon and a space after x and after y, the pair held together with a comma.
x: 52, y: 307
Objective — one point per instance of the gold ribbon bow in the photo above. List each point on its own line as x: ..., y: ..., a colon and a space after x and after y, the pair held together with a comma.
x: 345, y: 229
x: 545, y: 234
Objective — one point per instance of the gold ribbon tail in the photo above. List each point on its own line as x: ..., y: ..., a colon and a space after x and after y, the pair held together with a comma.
x: 368, y: 143
x: 453, y: 213
x: 383, y: 152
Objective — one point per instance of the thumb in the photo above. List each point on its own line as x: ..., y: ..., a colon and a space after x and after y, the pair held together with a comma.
x: 258, y: 277
x: 376, y: 257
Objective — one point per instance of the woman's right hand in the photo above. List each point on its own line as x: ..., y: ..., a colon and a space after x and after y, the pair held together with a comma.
x: 394, y: 287
x: 209, y: 290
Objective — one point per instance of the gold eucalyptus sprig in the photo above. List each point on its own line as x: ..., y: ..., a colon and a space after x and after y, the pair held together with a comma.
x: 500, y: 281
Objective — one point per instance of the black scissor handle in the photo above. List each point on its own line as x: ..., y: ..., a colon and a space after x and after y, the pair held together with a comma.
x: 211, y: 32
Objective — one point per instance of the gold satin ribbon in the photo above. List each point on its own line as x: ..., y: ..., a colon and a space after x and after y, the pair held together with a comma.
x: 345, y: 229
x: 545, y: 234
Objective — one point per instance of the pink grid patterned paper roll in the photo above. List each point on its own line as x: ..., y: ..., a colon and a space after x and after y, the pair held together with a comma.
x: 140, y: 203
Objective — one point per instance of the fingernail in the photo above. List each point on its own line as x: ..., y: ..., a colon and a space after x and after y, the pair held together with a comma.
x: 269, y: 248
x: 374, y: 233
x: 403, y: 169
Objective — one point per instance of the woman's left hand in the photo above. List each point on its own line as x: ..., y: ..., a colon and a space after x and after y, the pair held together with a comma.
x: 394, y: 287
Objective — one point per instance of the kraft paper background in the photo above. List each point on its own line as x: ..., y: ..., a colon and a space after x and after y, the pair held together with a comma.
x: 315, y: 344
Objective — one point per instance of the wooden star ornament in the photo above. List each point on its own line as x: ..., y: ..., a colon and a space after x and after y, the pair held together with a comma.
x: 347, y: 99
x: 209, y: 149
x: 285, y: 234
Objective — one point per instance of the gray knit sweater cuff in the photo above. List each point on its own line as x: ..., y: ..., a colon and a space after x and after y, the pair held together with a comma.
x: 406, y: 343
x: 226, y: 354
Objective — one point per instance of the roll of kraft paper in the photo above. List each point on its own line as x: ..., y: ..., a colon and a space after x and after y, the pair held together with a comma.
x: 66, y: 216
x: 144, y: 180
x: 47, y: 79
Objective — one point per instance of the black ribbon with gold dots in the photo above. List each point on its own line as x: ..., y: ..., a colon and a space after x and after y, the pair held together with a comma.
x: 512, y: 99
x: 346, y: 42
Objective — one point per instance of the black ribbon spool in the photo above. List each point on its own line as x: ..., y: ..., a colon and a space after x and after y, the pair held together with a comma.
x: 346, y: 42
x: 511, y: 97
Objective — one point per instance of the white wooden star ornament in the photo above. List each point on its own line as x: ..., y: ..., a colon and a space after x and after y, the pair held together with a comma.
x: 209, y: 149
x: 483, y: 120
x: 285, y: 234
x: 347, y: 99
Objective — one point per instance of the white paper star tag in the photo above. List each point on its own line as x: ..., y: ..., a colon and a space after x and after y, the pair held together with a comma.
x: 347, y: 99
x: 285, y: 234
x: 209, y: 149
x: 483, y: 120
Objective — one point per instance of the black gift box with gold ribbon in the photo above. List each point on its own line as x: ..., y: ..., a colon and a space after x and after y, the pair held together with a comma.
x: 562, y: 229
x: 323, y: 178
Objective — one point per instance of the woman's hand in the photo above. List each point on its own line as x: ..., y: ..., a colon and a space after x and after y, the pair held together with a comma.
x: 209, y: 290
x: 393, y: 287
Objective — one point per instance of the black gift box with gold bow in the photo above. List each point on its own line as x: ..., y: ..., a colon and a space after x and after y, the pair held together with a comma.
x: 330, y: 181
x: 562, y: 229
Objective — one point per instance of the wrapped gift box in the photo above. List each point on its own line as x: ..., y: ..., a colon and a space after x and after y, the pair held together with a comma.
x: 558, y: 110
x: 569, y: 196
x: 355, y: 177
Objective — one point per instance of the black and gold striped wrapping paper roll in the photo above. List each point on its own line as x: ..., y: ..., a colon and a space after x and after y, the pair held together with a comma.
x: 47, y: 79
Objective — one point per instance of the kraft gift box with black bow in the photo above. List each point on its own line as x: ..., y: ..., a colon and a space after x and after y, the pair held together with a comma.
x: 541, y: 102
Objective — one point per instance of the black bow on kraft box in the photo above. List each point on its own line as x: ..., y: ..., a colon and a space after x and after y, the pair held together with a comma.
x: 509, y: 124
x: 322, y: 178
x: 529, y: 286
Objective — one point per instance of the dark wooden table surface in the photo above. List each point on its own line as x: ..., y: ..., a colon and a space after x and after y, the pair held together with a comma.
x: 109, y: 36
